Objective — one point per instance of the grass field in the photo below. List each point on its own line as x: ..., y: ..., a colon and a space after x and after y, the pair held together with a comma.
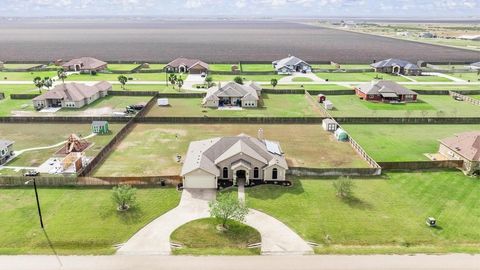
x: 257, y: 67
x: 304, y: 145
x: 386, y: 215
x: 443, y: 87
x: 162, y: 88
x: 302, y: 79
x: 200, y: 237
x: 429, y: 79
x: 41, y: 135
x: 221, y: 67
x: 403, y: 142
x: 155, y: 66
x: 359, y: 77
x: 77, y: 220
x: 114, y: 77
x: 308, y: 86
x: 256, y: 78
x: 25, y: 76
x: 470, y: 76
x: 19, y: 66
x: 294, y: 105
x: 122, y: 67
x: 342, y: 66
x: 7, y: 104
x: 427, y: 106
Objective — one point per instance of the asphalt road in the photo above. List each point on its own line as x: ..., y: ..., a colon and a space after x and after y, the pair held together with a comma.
x: 334, y: 262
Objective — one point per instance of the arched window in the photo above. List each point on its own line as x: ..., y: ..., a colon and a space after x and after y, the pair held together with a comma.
x: 225, y: 172
x: 255, y: 172
x: 274, y: 173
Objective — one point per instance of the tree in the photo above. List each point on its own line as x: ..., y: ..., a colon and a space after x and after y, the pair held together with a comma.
x: 47, y: 82
x: 172, y: 78
x: 180, y: 83
x: 123, y: 80
x: 38, y: 83
x: 62, y: 75
x: 238, y: 80
x: 124, y: 196
x: 209, y: 81
x: 227, y: 207
x: 344, y: 187
x: 274, y: 82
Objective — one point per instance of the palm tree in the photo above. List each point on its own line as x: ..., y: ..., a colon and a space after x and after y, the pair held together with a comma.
x: 47, y: 82
x: 62, y: 75
x: 180, y: 84
x: 123, y: 80
x: 172, y: 79
x: 274, y: 82
x: 209, y: 81
x: 38, y: 83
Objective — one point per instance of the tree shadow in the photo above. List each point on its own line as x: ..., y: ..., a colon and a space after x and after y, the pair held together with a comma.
x: 131, y: 216
x: 357, y: 203
x: 271, y: 191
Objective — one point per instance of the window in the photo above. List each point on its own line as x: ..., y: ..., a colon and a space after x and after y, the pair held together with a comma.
x: 225, y: 172
x: 274, y: 173
x: 255, y: 172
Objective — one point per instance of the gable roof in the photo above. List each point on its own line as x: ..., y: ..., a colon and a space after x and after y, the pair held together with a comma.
x: 466, y: 144
x: 233, y: 89
x: 395, y: 62
x: 288, y: 61
x: 85, y: 63
x: 6, y: 143
x: 187, y: 62
x: 383, y: 87
x: 74, y: 91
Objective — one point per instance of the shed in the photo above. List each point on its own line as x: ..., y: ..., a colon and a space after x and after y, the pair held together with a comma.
x: 341, y: 135
x: 162, y: 102
x: 329, y: 124
x: 321, y: 98
x: 328, y: 105
x: 100, y: 127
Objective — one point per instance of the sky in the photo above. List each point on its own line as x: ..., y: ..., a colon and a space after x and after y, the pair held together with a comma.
x: 243, y: 8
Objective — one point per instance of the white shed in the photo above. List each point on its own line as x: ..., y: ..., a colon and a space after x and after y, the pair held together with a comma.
x: 328, y: 105
x: 162, y: 102
x: 329, y: 124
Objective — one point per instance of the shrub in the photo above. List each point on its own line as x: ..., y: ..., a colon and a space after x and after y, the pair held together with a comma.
x: 344, y: 187
x: 124, y: 196
x: 227, y: 207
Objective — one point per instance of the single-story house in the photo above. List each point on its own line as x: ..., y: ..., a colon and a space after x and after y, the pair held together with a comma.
x: 397, y: 66
x: 475, y: 65
x: 233, y: 94
x: 427, y: 35
x: 290, y: 65
x: 464, y: 146
x: 6, y: 150
x: 232, y: 158
x: 72, y: 95
x: 84, y: 64
x: 187, y: 65
x: 100, y: 127
x: 385, y: 91
x: 469, y: 37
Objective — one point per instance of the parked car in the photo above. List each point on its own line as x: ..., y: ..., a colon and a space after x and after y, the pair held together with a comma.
x: 203, y: 74
x: 31, y: 173
x: 458, y: 98
x: 136, y: 107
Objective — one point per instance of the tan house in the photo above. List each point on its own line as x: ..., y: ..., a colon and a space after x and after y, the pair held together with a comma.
x: 463, y: 146
x: 187, y: 65
x: 230, y: 159
x: 233, y: 94
x: 85, y: 64
x: 72, y: 95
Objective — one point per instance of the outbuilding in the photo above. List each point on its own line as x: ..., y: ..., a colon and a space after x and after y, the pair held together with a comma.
x: 329, y: 124
x: 100, y: 127
x: 341, y: 135
x: 321, y: 98
x: 162, y: 102
x: 327, y: 104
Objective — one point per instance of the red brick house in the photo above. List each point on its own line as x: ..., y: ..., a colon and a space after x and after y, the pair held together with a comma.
x: 385, y: 91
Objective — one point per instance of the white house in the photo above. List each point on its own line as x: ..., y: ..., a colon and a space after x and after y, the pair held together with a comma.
x: 233, y: 94
x: 6, y: 150
x: 232, y: 158
x: 290, y: 65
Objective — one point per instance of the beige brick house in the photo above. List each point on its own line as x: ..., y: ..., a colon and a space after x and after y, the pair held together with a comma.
x: 463, y: 146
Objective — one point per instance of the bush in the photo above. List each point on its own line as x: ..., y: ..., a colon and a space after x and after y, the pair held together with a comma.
x: 344, y: 187
x: 124, y: 196
x: 227, y: 207
x: 238, y: 80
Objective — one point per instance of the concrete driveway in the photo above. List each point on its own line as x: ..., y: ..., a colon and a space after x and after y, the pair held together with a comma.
x: 309, y: 75
x: 154, y: 239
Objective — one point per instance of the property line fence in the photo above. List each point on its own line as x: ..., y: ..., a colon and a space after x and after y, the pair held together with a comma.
x: 63, y: 119
x: 127, y: 93
x: 283, y: 91
x: 332, y: 92
x: 474, y: 101
x: 23, y: 96
x: 408, y: 120
x: 422, y: 165
x: 232, y: 120
x: 316, y: 172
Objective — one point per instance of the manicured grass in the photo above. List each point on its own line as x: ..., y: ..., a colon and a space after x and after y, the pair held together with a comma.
x: 257, y: 78
x: 359, y: 77
x: 41, y: 135
x: 77, y: 220
x: 257, y: 67
x: 114, y: 77
x: 221, y: 67
x: 25, y: 76
x: 122, y: 67
x: 19, y: 66
x: 403, y: 142
x: 442, y: 87
x: 302, y: 79
x: 200, y: 237
x: 155, y: 67
x: 162, y: 88
x: 151, y: 145
x: 386, y: 215
x: 308, y: 86
x: 427, y: 106
x: 291, y: 105
x: 342, y: 66
x: 429, y: 79
x: 7, y: 104
x: 470, y: 76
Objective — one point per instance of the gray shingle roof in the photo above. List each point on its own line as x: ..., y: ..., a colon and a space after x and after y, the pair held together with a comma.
x: 382, y: 87
x: 395, y: 62
x: 6, y: 143
x: 288, y: 61
x: 232, y: 89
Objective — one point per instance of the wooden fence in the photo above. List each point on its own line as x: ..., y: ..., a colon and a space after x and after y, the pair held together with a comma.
x: 232, y: 120
x: 315, y: 172
x: 408, y: 120
x: 422, y: 165
x: 23, y: 96
x: 63, y: 119
x: 474, y: 101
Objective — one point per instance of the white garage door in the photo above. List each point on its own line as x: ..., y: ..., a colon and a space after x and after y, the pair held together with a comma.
x: 199, y: 179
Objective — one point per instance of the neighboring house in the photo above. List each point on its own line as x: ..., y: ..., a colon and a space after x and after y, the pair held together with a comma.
x: 84, y: 64
x: 233, y: 94
x: 100, y: 127
x: 427, y: 35
x: 72, y: 95
x: 187, y: 65
x: 290, y: 65
x: 385, y: 91
x: 396, y: 66
x: 1, y: 65
x: 6, y: 151
x: 463, y: 146
x: 470, y: 37
x: 232, y: 158
x: 475, y: 65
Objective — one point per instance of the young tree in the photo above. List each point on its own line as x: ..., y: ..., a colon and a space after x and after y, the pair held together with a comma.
x: 62, y: 75
x: 180, y: 84
x: 274, y: 82
x: 208, y: 81
x: 172, y: 78
x: 124, y: 196
x: 38, y: 83
x: 238, y: 80
x: 227, y: 207
x: 344, y: 187
x: 123, y: 80
x: 47, y: 82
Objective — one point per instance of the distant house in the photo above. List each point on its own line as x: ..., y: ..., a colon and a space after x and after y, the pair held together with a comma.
x: 6, y: 151
x: 84, y: 64
x: 187, y: 65
x: 100, y: 127
x: 385, y: 91
x: 396, y: 66
x: 470, y: 37
x: 290, y: 65
x: 233, y: 94
x: 475, y: 65
x: 72, y: 95
x: 427, y: 35
x: 230, y: 159
x: 463, y: 146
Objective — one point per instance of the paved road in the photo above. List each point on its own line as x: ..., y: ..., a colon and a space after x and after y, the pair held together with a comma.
x: 374, y: 262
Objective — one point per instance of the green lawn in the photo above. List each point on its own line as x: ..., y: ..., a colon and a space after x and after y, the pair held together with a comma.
x: 442, y: 87
x: 162, y: 88
x: 291, y: 105
x: 429, y: 79
x: 342, y: 66
x: 403, y: 142
x: 308, y: 86
x: 25, y: 76
x: 470, y: 76
x: 257, y: 67
x: 122, y: 67
x: 155, y: 67
x: 359, y: 77
x: 77, y: 220
x: 386, y: 215
x: 257, y: 78
x: 427, y: 106
x: 114, y: 77
x: 160, y: 144
x: 19, y: 66
x: 302, y: 79
x: 200, y: 237
x: 7, y: 104
x: 41, y: 135
x: 221, y: 67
